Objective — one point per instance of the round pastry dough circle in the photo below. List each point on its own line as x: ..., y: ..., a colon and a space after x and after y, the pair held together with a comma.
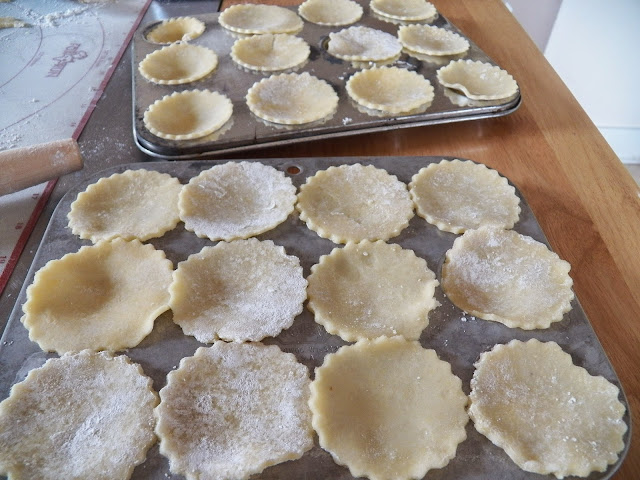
x: 477, y: 80
x: 245, y: 290
x: 431, y: 40
x: 388, y: 408
x: 506, y: 277
x: 367, y: 290
x: 408, y: 10
x: 86, y: 415
x: 140, y: 204
x: 292, y: 99
x: 270, y: 52
x: 176, y: 29
x: 102, y: 297
x: 178, y: 63
x: 234, y: 409
x: 547, y: 414
x: 363, y: 44
x: 187, y: 115
x: 330, y: 12
x: 390, y: 89
x: 236, y: 200
x: 456, y: 196
x: 259, y: 19
x: 351, y: 203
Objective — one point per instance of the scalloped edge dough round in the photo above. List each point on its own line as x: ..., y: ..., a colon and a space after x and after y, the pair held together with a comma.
x: 388, y: 408
x: 351, y: 203
x: 506, y: 277
x: 456, y: 196
x: 140, y: 204
x: 331, y: 13
x: 175, y: 30
x: 549, y: 415
x: 87, y: 415
x: 188, y: 114
x: 431, y: 40
x: 236, y: 200
x: 407, y: 10
x: 477, y: 80
x: 390, y: 89
x: 292, y: 99
x: 258, y: 19
x: 371, y: 289
x: 103, y: 297
x: 244, y: 290
x: 270, y: 52
x: 232, y: 410
x: 363, y: 44
x: 178, y: 63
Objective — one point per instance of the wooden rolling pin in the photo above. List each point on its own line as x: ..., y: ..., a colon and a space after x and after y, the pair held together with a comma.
x: 27, y: 166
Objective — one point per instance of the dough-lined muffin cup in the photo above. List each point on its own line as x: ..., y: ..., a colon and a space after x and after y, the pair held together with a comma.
x: 176, y: 29
x: 330, y: 12
x: 477, y: 80
x: 178, y: 63
x: 270, y: 52
x: 258, y: 19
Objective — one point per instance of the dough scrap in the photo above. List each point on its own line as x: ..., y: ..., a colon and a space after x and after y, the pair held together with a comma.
x: 506, y: 277
x: 292, y: 99
x: 388, y: 409
x: 236, y: 200
x: 431, y: 40
x: 547, y: 414
x: 408, y: 10
x: 390, y: 89
x: 178, y: 63
x: 102, y: 297
x: 270, y: 52
x: 477, y: 80
x: 245, y: 290
x: 258, y: 19
x: 456, y: 196
x: 367, y: 290
x: 11, y: 22
x: 178, y: 29
x: 351, y: 203
x: 87, y: 415
x: 330, y: 12
x: 188, y: 114
x: 363, y: 44
x: 232, y: 410
x: 140, y: 204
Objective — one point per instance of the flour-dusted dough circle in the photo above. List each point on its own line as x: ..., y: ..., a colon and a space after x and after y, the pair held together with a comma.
x: 549, y: 415
x: 351, y: 203
x: 292, y: 99
x: 506, y: 277
x: 363, y: 44
x: 270, y: 52
x: 178, y: 63
x: 367, y: 290
x: 388, y: 409
x: 232, y: 410
x: 390, y: 89
x: 86, y: 415
x: 330, y: 12
x: 102, y: 297
x: 188, y: 114
x: 140, y: 204
x: 408, y: 10
x: 477, y: 80
x: 245, y: 290
x: 236, y: 200
x: 431, y: 40
x: 176, y: 30
x: 456, y: 196
x: 258, y: 19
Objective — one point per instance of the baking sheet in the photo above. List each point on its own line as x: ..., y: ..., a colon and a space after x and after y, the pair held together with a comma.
x: 245, y: 130
x: 457, y: 338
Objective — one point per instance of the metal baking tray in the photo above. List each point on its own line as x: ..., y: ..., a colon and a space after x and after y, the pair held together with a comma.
x: 457, y: 338
x: 245, y: 131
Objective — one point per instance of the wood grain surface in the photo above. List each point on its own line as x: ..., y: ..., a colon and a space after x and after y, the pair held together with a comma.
x: 585, y: 200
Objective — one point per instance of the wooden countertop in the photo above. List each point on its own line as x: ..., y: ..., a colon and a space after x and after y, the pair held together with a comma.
x: 586, y: 202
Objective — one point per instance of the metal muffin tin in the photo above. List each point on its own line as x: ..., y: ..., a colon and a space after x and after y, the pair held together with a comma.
x: 456, y: 337
x: 245, y: 131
